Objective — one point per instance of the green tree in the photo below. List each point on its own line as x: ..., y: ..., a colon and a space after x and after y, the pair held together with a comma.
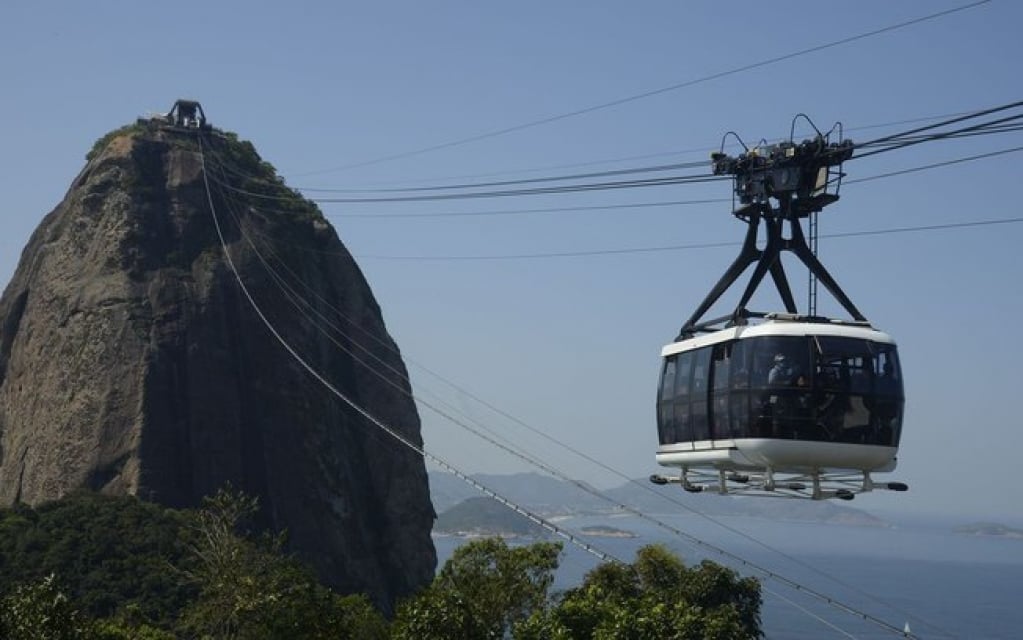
x: 248, y: 588
x: 481, y: 592
x: 40, y: 611
x: 655, y: 598
x: 121, y: 630
x: 110, y: 553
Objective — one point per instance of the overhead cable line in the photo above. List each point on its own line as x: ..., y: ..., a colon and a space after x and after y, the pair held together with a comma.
x: 508, y: 212
x: 881, y: 145
x: 935, y: 165
x: 988, y: 129
x: 572, y: 188
x: 998, y: 126
x: 898, y: 139
x: 532, y: 460
x: 299, y: 302
x: 895, y: 137
x: 227, y: 166
x: 645, y: 156
x: 651, y: 93
x: 603, y: 556
x: 302, y: 305
x: 502, y: 183
x: 666, y: 203
x: 553, y: 167
x: 476, y: 213
x: 683, y: 247
x: 546, y: 524
x: 515, y: 212
x: 901, y: 141
x: 308, y: 310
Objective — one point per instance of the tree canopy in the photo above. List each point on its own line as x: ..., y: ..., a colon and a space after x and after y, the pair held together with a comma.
x: 655, y: 598
x: 490, y: 590
x: 106, y: 568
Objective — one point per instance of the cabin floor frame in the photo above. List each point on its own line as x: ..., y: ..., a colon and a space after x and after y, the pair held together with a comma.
x: 816, y: 485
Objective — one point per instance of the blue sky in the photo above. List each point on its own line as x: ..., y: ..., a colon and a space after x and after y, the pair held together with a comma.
x: 571, y: 345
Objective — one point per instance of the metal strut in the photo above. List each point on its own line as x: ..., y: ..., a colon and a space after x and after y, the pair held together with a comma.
x: 802, y: 179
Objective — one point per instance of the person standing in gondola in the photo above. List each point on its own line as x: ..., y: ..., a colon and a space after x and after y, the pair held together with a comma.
x: 788, y: 397
x: 781, y: 373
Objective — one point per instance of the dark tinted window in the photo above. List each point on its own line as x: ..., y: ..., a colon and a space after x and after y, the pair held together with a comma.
x: 858, y: 391
x: 666, y: 402
x: 700, y: 394
x: 825, y: 388
x: 683, y: 387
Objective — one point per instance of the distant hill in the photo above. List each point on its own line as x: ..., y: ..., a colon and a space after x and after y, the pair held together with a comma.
x: 542, y: 493
x: 551, y: 497
x: 484, y: 517
x: 990, y: 529
x: 604, y: 531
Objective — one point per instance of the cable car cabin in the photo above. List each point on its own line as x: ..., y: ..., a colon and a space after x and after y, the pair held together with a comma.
x: 797, y: 405
x: 786, y: 396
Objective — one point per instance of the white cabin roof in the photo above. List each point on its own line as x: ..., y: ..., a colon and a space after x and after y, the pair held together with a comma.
x: 779, y: 327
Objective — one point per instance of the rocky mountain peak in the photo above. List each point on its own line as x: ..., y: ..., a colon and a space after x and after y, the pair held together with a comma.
x: 131, y: 362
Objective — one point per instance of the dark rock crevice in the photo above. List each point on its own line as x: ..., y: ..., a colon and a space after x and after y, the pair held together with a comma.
x: 9, y: 329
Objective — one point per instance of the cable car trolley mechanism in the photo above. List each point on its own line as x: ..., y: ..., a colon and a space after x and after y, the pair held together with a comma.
x: 780, y: 404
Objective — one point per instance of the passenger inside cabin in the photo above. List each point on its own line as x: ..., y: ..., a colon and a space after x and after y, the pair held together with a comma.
x: 785, y: 373
x: 787, y: 409
x: 887, y: 384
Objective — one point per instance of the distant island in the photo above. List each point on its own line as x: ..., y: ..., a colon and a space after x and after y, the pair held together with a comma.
x: 558, y: 500
x: 476, y: 517
x: 604, y: 531
x: 990, y: 529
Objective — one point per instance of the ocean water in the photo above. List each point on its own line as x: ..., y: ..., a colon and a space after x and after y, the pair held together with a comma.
x: 943, y: 584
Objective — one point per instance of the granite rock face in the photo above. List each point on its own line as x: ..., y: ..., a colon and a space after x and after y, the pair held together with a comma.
x: 132, y: 360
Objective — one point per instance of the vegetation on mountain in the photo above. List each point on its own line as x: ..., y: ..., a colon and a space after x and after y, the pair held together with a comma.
x: 91, y: 567
x: 106, y: 139
x: 106, y: 552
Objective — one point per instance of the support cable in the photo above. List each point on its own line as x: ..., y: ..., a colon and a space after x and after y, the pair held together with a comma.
x: 1002, y: 125
x: 935, y: 165
x: 651, y: 93
x: 683, y: 247
x: 571, y: 188
x: 895, y: 137
x: 553, y: 471
x: 546, y: 524
x: 678, y: 180
x: 234, y: 169
x: 646, y: 156
x: 299, y: 302
x: 509, y: 212
x: 887, y: 143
